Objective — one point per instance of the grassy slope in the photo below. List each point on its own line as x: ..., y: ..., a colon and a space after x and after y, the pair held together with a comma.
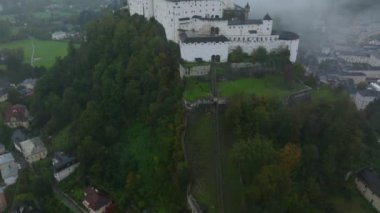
x: 45, y: 51
x: 269, y: 86
x: 196, y: 90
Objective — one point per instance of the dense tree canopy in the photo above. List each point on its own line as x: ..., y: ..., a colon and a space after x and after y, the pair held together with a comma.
x: 291, y: 158
x: 119, y: 95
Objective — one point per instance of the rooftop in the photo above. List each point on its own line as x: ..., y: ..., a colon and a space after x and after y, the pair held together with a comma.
x: 186, y: 37
x: 371, y: 179
x: 6, y: 158
x: 61, y: 161
x: 95, y: 199
x: 267, y: 17
x: 9, y: 171
x: 32, y: 146
x: 286, y: 35
x: 369, y: 93
x: 246, y: 22
x: 17, y: 112
x: 19, y: 135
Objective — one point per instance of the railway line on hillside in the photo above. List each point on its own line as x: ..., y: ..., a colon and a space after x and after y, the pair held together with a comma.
x: 218, y: 148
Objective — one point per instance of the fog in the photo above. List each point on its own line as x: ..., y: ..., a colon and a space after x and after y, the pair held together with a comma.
x: 316, y: 20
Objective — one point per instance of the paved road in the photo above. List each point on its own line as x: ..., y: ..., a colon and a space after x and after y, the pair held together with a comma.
x: 33, y: 51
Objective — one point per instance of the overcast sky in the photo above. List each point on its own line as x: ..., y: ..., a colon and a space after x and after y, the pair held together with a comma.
x: 302, y: 13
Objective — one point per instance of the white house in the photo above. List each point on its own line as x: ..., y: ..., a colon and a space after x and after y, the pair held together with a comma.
x: 368, y: 183
x: 63, y: 165
x: 59, y: 35
x: 32, y: 149
x: 8, y: 168
x: 29, y: 83
x: 197, y: 24
x: 365, y: 97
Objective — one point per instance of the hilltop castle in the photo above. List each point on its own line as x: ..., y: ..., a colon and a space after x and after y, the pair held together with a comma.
x: 213, y: 28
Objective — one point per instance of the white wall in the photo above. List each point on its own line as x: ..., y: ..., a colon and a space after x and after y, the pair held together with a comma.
x: 190, y: 51
x: 374, y: 61
x: 368, y: 194
x: 65, y: 173
x: 362, y: 102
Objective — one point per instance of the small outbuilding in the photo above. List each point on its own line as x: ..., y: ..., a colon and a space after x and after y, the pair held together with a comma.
x: 63, y: 165
x: 368, y: 183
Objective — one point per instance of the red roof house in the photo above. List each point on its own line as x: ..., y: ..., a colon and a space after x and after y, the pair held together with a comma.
x: 17, y: 116
x: 95, y: 201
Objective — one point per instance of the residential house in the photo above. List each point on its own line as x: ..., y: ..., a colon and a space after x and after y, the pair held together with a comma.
x: 9, y: 168
x: 32, y: 149
x: 365, y: 97
x: 19, y: 135
x: 96, y: 201
x: 63, y: 165
x: 29, y: 83
x: 59, y: 35
x: 17, y: 116
x: 368, y: 183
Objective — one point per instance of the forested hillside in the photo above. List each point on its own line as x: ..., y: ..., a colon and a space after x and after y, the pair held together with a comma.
x: 115, y: 103
x: 117, y: 100
x: 293, y: 158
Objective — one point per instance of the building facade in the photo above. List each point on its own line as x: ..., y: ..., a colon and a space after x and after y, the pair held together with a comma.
x: 17, y: 116
x: 32, y: 149
x: 368, y: 184
x: 63, y: 165
x: 199, y: 26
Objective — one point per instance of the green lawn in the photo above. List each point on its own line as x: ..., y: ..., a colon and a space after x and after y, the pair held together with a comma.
x: 201, y: 149
x: 269, y: 86
x: 326, y: 94
x: 45, y: 51
x: 196, y: 90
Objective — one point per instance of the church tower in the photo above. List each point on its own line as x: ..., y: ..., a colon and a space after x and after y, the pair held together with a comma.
x: 247, y: 9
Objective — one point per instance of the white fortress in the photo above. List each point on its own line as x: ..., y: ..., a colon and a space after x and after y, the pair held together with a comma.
x: 213, y: 28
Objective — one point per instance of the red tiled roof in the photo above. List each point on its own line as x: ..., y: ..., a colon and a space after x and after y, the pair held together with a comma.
x: 18, y: 112
x: 95, y: 199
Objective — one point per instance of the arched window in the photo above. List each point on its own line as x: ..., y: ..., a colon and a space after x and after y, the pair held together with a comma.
x: 216, y: 30
x: 217, y: 58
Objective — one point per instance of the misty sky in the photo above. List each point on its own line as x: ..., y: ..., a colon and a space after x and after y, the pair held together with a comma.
x: 301, y: 14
